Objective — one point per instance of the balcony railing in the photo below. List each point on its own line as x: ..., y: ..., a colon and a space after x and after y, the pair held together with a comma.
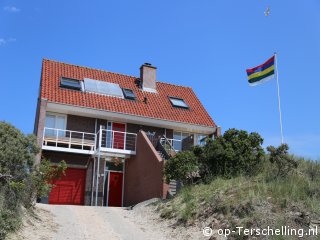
x: 171, y: 144
x: 53, y: 137
x: 110, y: 140
x: 83, y: 142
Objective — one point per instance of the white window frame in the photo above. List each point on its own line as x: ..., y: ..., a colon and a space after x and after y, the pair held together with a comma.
x: 196, y: 138
x: 182, y: 105
x: 181, y: 139
x: 57, y: 115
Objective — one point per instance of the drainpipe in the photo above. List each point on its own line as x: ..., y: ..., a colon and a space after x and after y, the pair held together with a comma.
x: 94, y: 162
x: 92, y: 186
x: 123, y: 173
x: 98, y: 166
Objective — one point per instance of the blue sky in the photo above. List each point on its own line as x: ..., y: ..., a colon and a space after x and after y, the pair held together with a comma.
x: 203, y: 44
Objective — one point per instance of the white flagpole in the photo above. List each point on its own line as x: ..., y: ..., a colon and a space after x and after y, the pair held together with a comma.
x: 279, y: 105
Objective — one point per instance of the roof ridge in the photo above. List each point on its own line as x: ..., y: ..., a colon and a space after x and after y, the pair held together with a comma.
x: 174, y: 84
x: 75, y: 65
x: 121, y: 74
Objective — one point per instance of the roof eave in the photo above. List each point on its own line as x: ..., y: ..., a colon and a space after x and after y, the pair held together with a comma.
x: 128, y: 118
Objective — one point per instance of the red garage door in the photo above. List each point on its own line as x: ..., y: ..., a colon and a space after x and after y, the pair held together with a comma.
x: 69, y: 189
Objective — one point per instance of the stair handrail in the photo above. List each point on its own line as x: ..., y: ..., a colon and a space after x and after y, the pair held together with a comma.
x: 162, y: 143
x: 168, y: 142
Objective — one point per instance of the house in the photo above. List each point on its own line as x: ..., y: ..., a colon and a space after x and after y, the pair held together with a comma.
x: 114, y: 131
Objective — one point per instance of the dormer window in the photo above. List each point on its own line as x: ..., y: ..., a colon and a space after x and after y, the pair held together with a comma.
x: 70, y: 83
x: 128, y: 94
x: 178, y: 102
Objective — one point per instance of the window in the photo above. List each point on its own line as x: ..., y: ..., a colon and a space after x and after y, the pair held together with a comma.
x: 128, y: 94
x: 201, y: 139
x: 109, y: 135
x: 178, y: 102
x: 55, y: 125
x: 70, y: 83
x: 178, y: 137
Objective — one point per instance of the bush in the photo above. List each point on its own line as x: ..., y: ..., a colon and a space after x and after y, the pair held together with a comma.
x: 282, y: 160
x: 184, y: 166
x: 235, y: 153
x: 20, y: 180
x: 39, y: 181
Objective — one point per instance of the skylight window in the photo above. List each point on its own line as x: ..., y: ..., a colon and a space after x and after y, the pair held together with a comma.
x: 128, y: 94
x: 178, y: 102
x: 95, y: 86
x: 70, y: 83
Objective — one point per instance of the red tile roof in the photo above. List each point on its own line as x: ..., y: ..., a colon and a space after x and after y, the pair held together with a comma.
x: 158, y: 105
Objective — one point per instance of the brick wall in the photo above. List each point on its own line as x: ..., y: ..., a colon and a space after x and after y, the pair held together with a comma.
x: 72, y: 159
x: 169, y: 133
x: 135, y: 128
x: 143, y: 173
x: 188, y: 143
x: 39, y: 124
x: 81, y: 124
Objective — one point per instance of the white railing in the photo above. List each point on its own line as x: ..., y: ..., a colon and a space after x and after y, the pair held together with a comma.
x: 105, y: 140
x: 171, y: 144
x: 54, y: 137
x: 117, y: 140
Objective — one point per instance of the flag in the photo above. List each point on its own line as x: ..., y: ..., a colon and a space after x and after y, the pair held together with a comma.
x: 261, y: 73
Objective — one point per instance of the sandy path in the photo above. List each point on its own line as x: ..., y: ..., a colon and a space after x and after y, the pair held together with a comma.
x: 91, y: 223
x: 65, y: 222
x: 79, y: 222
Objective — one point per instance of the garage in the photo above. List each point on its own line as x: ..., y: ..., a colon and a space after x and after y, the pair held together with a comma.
x: 69, y: 189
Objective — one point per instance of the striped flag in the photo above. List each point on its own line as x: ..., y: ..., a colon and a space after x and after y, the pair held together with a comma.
x: 261, y: 73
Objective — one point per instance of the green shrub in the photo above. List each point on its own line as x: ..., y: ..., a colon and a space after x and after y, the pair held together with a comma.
x: 9, y: 221
x: 184, y: 166
x: 284, y: 162
x: 235, y: 153
x: 20, y: 180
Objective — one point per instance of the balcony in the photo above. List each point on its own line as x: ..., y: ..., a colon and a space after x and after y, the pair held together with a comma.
x: 116, y: 142
x: 104, y: 142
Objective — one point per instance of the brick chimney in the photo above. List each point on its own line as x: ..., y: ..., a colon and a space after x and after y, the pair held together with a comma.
x: 148, y: 77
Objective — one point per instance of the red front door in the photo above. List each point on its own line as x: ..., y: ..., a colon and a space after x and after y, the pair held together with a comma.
x: 115, y: 189
x: 118, y: 135
x: 69, y: 189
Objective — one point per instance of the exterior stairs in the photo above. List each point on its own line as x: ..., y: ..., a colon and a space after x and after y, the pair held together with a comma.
x: 173, y: 187
x: 161, y: 155
x: 165, y: 154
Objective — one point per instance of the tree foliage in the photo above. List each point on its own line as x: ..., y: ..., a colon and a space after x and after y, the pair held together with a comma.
x: 284, y: 162
x: 43, y: 176
x: 17, y: 152
x: 20, y: 180
x: 183, y: 166
x: 236, y: 152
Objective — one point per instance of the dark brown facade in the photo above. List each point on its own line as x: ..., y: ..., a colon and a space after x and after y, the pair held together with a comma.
x: 143, y: 173
x: 85, y: 124
x: 81, y: 124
